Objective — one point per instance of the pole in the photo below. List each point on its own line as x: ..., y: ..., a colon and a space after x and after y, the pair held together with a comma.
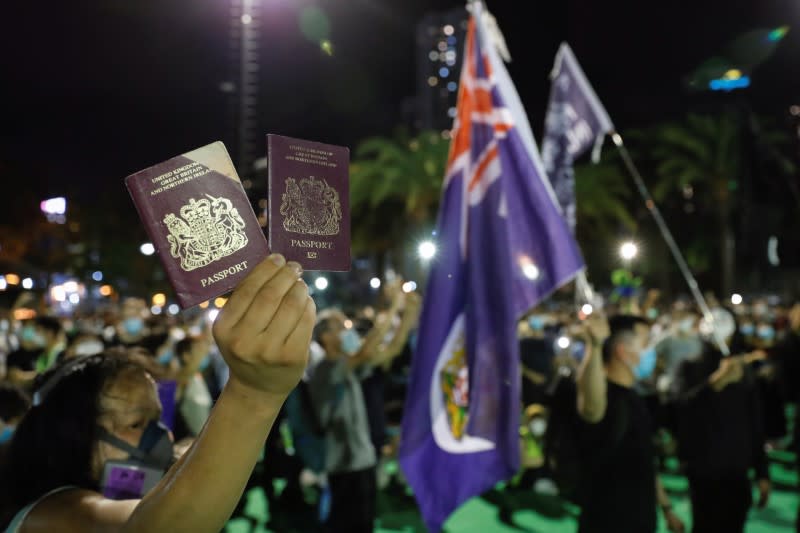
x: 667, y: 235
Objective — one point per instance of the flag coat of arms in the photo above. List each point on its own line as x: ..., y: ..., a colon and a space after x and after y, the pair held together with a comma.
x: 503, y: 247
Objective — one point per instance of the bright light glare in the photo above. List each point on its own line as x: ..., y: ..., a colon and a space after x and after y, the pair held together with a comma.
x: 74, y: 299
x: 426, y: 250
x: 628, y: 250
x: 563, y: 343
x: 247, y: 19
x: 212, y: 315
x: 321, y: 283
x: 54, y: 206
x: 57, y: 293
x: 156, y: 309
x: 147, y: 248
x: 3, y: 283
x: 409, y: 286
x: 736, y: 299
x: 159, y: 299
x: 530, y: 271
x: 375, y: 283
x: 587, y: 309
x: 97, y: 275
x: 173, y: 309
x: 27, y: 283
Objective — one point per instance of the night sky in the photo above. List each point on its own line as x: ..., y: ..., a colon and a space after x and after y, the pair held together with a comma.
x: 92, y: 91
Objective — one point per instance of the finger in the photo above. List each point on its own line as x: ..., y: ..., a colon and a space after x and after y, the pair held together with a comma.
x: 243, y: 295
x: 266, y: 302
x: 300, y: 337
x: 285, y: 317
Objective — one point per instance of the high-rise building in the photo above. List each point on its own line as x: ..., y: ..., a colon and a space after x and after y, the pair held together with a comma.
x: 440, y: 43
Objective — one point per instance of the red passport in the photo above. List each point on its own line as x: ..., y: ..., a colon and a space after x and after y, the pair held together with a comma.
x: 309, y: 202
x: 200, y: 221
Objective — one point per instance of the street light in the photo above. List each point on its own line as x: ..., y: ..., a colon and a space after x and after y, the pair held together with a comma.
x: 375, y: 283
x: 628, y: 250
x: 736, y: 299
x: 321, y: 283
x: 426, y: 250
x: 147, y: 248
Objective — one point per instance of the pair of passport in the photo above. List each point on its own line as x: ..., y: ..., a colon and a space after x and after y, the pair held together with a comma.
x: 206, y: 233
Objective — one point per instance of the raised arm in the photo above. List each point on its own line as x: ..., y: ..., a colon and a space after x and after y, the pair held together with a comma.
x: 264, y: 333
x: 591, y: 381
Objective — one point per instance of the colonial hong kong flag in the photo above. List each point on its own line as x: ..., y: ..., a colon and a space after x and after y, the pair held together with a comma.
x: 503, y: 247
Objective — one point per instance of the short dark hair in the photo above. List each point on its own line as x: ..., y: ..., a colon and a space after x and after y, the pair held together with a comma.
x: 620, y: 326
x: 325, y: 320
x: 49, y: 323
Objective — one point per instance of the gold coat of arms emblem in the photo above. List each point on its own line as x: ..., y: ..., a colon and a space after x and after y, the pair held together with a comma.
x: 311, y: 207
x: 206, y: 230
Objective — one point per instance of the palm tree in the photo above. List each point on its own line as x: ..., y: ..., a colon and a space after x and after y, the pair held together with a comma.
x: 602, y: 194
x: 707, y: 154
x: 395, y: 185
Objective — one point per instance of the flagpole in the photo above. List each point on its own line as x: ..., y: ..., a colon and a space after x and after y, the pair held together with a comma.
x: 667, y: 235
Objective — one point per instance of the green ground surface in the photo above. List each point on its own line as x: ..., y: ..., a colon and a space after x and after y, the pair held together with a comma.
x: 537, y: 514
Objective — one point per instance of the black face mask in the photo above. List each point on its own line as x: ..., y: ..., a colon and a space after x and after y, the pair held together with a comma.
x: 134, y: 477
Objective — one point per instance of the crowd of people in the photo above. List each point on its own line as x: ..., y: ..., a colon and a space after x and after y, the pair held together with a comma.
x: 120, y: 419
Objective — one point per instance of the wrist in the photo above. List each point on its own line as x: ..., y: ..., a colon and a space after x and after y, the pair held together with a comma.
x: 253, y: 400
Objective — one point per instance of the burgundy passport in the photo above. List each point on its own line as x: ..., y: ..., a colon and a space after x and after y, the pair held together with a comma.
x: 200, y: 221
x: 309, y: 202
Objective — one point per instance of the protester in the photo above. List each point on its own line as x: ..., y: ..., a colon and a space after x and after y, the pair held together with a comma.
x: 14, y: 403
x: 787, y: 355
x: 339, y: 406
x: 720, y: 432
x: 101, y: 409
x: 616, y: 437
x: 42, y: 342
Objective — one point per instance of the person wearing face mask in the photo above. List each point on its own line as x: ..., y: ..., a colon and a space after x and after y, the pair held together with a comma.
x: 338, y: 403
x: 616, y: 430
x: 93, y: 435
x: 42, y: 343
x: 131, y: 328
x: 720, y: 431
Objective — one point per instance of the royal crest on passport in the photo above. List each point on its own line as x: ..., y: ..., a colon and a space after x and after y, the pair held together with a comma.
x: 311, y: 207
x: 308, y: 198
x: 206, y: 231
x: 200, y: 222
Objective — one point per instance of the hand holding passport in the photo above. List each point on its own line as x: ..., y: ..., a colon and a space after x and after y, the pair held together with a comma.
x: 206, y: 234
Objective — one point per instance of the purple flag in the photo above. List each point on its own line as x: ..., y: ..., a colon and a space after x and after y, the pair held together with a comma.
x: 504, y: 247
x: 575, y: 121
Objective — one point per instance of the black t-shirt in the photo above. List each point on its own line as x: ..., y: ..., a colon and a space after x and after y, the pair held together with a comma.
x: 720, y: 434
x: 618, y: 480
x: 23, y: 359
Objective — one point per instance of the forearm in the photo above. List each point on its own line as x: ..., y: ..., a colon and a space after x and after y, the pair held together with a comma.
x: 661, y: 495
x: 398, y: 342
x: 202, y: 489
x: 592, y: 386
